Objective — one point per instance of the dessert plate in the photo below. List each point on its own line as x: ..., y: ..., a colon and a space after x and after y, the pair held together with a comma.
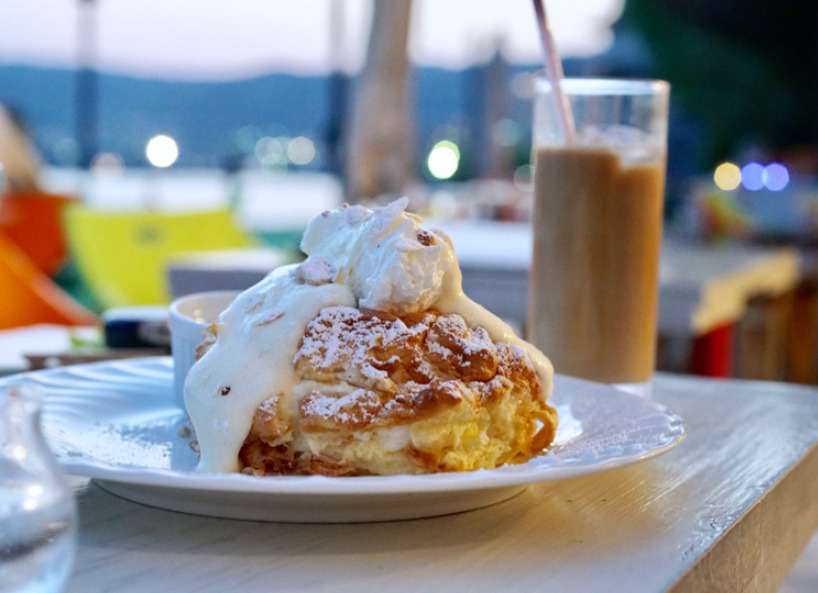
x: 115, y: 422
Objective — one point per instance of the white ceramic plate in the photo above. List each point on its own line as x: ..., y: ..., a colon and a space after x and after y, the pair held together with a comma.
x: 116, y: 422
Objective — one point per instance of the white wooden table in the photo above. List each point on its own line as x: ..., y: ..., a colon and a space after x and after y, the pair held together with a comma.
x: 728, y: 510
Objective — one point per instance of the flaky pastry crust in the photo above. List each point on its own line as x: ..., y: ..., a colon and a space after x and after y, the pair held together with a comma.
x: 381, y: 394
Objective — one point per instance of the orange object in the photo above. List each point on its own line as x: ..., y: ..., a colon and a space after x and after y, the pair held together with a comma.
x: 33, y: 221
x: 29, y: 297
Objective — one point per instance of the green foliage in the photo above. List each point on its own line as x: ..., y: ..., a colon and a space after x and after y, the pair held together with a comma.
x: 743, y: 91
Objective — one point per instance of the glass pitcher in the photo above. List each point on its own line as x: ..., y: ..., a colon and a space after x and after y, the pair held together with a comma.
x: 38, y: 516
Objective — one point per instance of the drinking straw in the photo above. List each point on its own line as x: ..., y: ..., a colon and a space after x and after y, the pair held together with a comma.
x: 554, y: 73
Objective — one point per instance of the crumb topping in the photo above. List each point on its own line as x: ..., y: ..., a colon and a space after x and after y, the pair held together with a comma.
x: 425, y: 238
x: 400, y: 368
x: 316, y: 271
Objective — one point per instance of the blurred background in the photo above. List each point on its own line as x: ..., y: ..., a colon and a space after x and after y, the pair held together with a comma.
x: 267, y: 85
x: 261, y: 113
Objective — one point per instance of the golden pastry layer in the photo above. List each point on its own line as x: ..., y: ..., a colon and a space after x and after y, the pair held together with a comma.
x: 381, y: 394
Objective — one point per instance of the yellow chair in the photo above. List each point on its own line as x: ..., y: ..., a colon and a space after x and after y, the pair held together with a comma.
x: 123, y: 255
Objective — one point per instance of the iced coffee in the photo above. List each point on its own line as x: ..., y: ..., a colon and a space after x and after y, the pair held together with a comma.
x: 597, y: 225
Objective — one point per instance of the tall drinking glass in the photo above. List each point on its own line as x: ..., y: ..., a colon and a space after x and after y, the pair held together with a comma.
x: 597, y: 226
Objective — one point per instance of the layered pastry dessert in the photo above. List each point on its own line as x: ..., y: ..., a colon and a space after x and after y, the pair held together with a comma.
x: 366, y: 358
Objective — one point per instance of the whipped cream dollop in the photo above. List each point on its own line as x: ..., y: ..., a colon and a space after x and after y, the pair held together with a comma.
x: 381, y: 259
x: 388, y: 261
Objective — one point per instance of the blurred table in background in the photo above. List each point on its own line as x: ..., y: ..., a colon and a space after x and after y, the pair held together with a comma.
x: 227, y: 269
x: 725, y: 310
x: 41, y: 340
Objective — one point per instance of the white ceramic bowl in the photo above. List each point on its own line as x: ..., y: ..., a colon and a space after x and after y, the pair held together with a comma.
x: 189, y: 317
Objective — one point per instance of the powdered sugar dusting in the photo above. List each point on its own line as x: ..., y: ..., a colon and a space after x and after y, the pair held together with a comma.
x: 375, y: 350
x: 359, y: 407
x: 316, y: 271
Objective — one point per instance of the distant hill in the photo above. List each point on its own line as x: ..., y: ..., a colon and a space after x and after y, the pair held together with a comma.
x: 205, y: 117
x: 216, y: 121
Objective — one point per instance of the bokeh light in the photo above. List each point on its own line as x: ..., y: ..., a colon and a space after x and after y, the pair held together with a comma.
x: 524, y: 178
x: 444, y: 159
x: 752, y: 176
x: 300, y: 150
x: 270, y: 151
x: 775, y: 177
x: 107, y: 162
x: 162, y: 151
x: 727, y: 176
x: 19, y: 452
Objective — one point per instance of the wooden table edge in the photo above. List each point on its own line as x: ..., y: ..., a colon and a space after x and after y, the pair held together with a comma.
x: 754, y: 555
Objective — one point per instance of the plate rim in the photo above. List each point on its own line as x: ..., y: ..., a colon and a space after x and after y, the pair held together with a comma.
x: 234, y: 483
